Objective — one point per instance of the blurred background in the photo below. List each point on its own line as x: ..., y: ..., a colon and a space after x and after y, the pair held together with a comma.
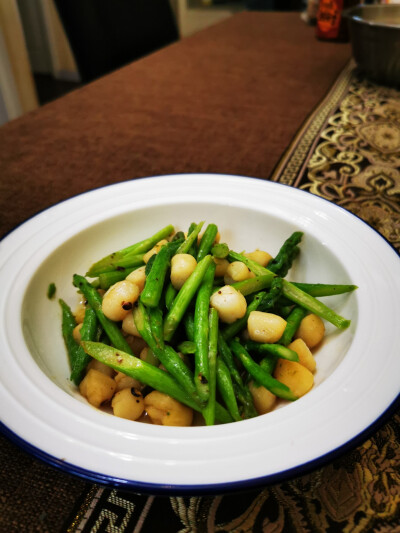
x: 51, y: 47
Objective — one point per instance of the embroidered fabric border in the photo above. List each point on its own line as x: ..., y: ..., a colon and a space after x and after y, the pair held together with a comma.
x: 348, y: 152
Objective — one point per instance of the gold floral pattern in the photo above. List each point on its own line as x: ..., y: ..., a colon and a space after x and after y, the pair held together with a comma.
x: 358, y: 493
x: 356, y: 162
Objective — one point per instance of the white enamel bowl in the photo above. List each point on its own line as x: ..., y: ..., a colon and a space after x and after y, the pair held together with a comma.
x: 356, y: 384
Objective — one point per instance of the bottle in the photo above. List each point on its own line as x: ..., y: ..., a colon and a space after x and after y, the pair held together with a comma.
x: 330, y: 23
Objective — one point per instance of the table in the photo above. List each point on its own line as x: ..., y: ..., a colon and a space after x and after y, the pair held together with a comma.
x: 255, y: 95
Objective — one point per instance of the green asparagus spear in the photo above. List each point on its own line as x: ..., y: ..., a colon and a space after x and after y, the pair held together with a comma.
x: 274, y: 349
x: 154, y: 284
x: 130, y: 260
x: 295, y: 294
x: 207, y: 241
x: 138, y: 369
x: 245, y: 398
x: 292, y: 324
x: 184, y: 297
x: 284, y: 310
x: 324, y: 289
x: 262, y: 377
x: 156, y: 325
x: 149, y: 264
x: 313, y: 305
x: 169, y: 295
x: 89, y: 332
x: 78, y: 359
x: 268, y: 364
x: 181, y: 372
x: 68, y: 324
x: 166, y: 354
x: 226, y: 390
x: 256, y: 284
x: 142, y: 323
x: 255, y: 267
x: 241, y: 389
x: 169, y: 292
x: 109, y: 278
x: 188, y: 321
x: 135, y: 249
x: 193, y: 249
x: 227, y: 357
x: 187, y: 245
x: 209, y: 410
x: 272, y: 295
x: 281, y: 264
x: 222, y: 416
x: 201, y: 332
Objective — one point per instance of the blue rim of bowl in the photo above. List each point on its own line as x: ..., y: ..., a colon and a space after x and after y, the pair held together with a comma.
x: 215, y: 488
x: 162, y: 489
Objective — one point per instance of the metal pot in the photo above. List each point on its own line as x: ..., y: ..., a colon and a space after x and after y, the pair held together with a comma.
x: 375, y: 38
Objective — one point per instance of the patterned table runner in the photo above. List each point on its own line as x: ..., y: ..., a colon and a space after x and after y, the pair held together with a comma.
x: 348, y: 151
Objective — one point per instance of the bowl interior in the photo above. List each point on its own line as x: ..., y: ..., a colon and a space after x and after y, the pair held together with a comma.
x: 242, y: 228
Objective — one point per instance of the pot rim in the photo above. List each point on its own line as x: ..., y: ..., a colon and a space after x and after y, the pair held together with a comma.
x: 354, y: 14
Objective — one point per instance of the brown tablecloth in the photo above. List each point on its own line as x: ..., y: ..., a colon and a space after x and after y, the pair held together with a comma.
x: 229, y: 99
x: 256, y: 95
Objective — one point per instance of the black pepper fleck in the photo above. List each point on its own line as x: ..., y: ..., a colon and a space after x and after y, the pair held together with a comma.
x: 203, y: 379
